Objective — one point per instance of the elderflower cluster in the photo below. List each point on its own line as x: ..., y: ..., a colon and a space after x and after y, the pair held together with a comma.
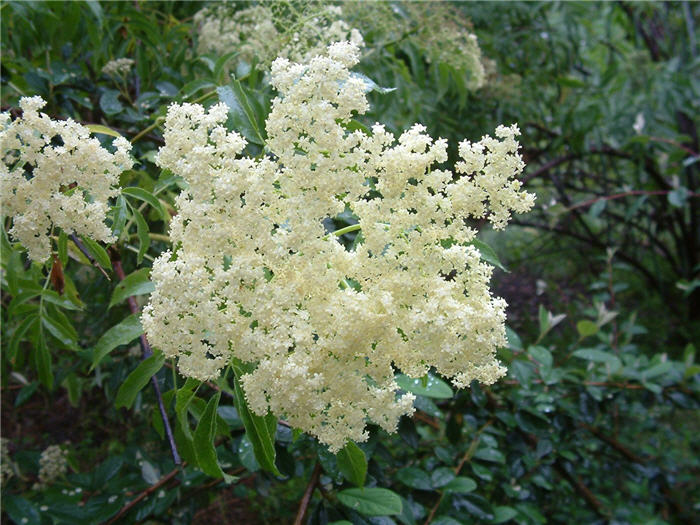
x: 6, y: 471
x: 53, y: 174
x: 438, y: 29
x: 120, y: 66
x: 52, y: 465
x: 255, y: 275
x: 290, y: 29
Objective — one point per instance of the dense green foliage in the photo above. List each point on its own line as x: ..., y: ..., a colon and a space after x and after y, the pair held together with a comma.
x: 597, y: 419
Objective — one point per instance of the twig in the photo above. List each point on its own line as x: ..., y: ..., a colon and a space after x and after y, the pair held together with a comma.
x: 467, y: 456
x: 614, y: 444
x: 87, y: 254
x: 158, y: 484
x: 621, y: 195
x: 147, y: 352
x: 306, y: 498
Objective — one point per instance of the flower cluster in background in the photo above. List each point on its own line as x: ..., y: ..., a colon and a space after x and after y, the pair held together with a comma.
x: 53, y: 174
x: 119, y: 66
x: 255, y: 275
x: 435, y: 28
x: 53, y: 464
x: 267, y: 30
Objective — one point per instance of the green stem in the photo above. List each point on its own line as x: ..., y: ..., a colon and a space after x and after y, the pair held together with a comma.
x: 154, y: 236
x: 150, y: 128
x: 347, y: 229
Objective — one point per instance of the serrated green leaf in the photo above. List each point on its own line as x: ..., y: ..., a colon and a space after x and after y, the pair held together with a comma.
x: 371, y: 501
x: 138, y: 379
x: 353, y: 464
x: 136, y: 283
x: 120, y: 334
x: 98, y: 252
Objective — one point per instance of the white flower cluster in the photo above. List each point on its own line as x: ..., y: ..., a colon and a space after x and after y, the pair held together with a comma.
x: 52, y: 465
x: 119, y: 66
x: 53, y: 174
x: 6, y: 470
x: 439, y: 30
x: 289, y: 29
x: 256, y: 276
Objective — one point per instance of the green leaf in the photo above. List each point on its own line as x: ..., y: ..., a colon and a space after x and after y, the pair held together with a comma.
x: 240, y: 111
x: 204, y: 442
x: 657, y: 370
x: 98, y: 252
x: 599, y: 356
x: 136, y: 283
x: 415, y: 478
x: 586, y: 328
x: 20, y: 510
x: 120, y: 334
x: 260, y: 430
x: 460, y: 485
x: 371, y: 501
x: 488, y: 254
x: 109, y: 102
x: 138, y: 379
x: 541, y: 355
x: 434, y: 387
x: 42, y: 360
x: 183, y: 398
x: 104, y: 130
x: 57, y: 328
x: 503, y: 514
x: 18, y: 335
x: 25, y: 393
x: 142, y: 232
x: 147, y: 197
x: 353, y: 464
x: 490, y: 454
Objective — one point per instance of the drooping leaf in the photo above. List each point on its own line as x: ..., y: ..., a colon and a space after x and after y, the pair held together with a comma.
x: 136, y: 283
x: 120, y: 334
x: 204, y: 441
x: 260, y: 430
x: 353, y: 464
x: 138, y: 379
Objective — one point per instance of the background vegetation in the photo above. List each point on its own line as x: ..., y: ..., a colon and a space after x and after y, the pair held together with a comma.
x: 597, y: 420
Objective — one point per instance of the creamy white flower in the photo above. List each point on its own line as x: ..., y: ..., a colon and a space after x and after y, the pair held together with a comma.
x: 52, y: 465
x: 120, y: 66
x: 54, y: 174
x: 297, y: 31
x: 255, y: 275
